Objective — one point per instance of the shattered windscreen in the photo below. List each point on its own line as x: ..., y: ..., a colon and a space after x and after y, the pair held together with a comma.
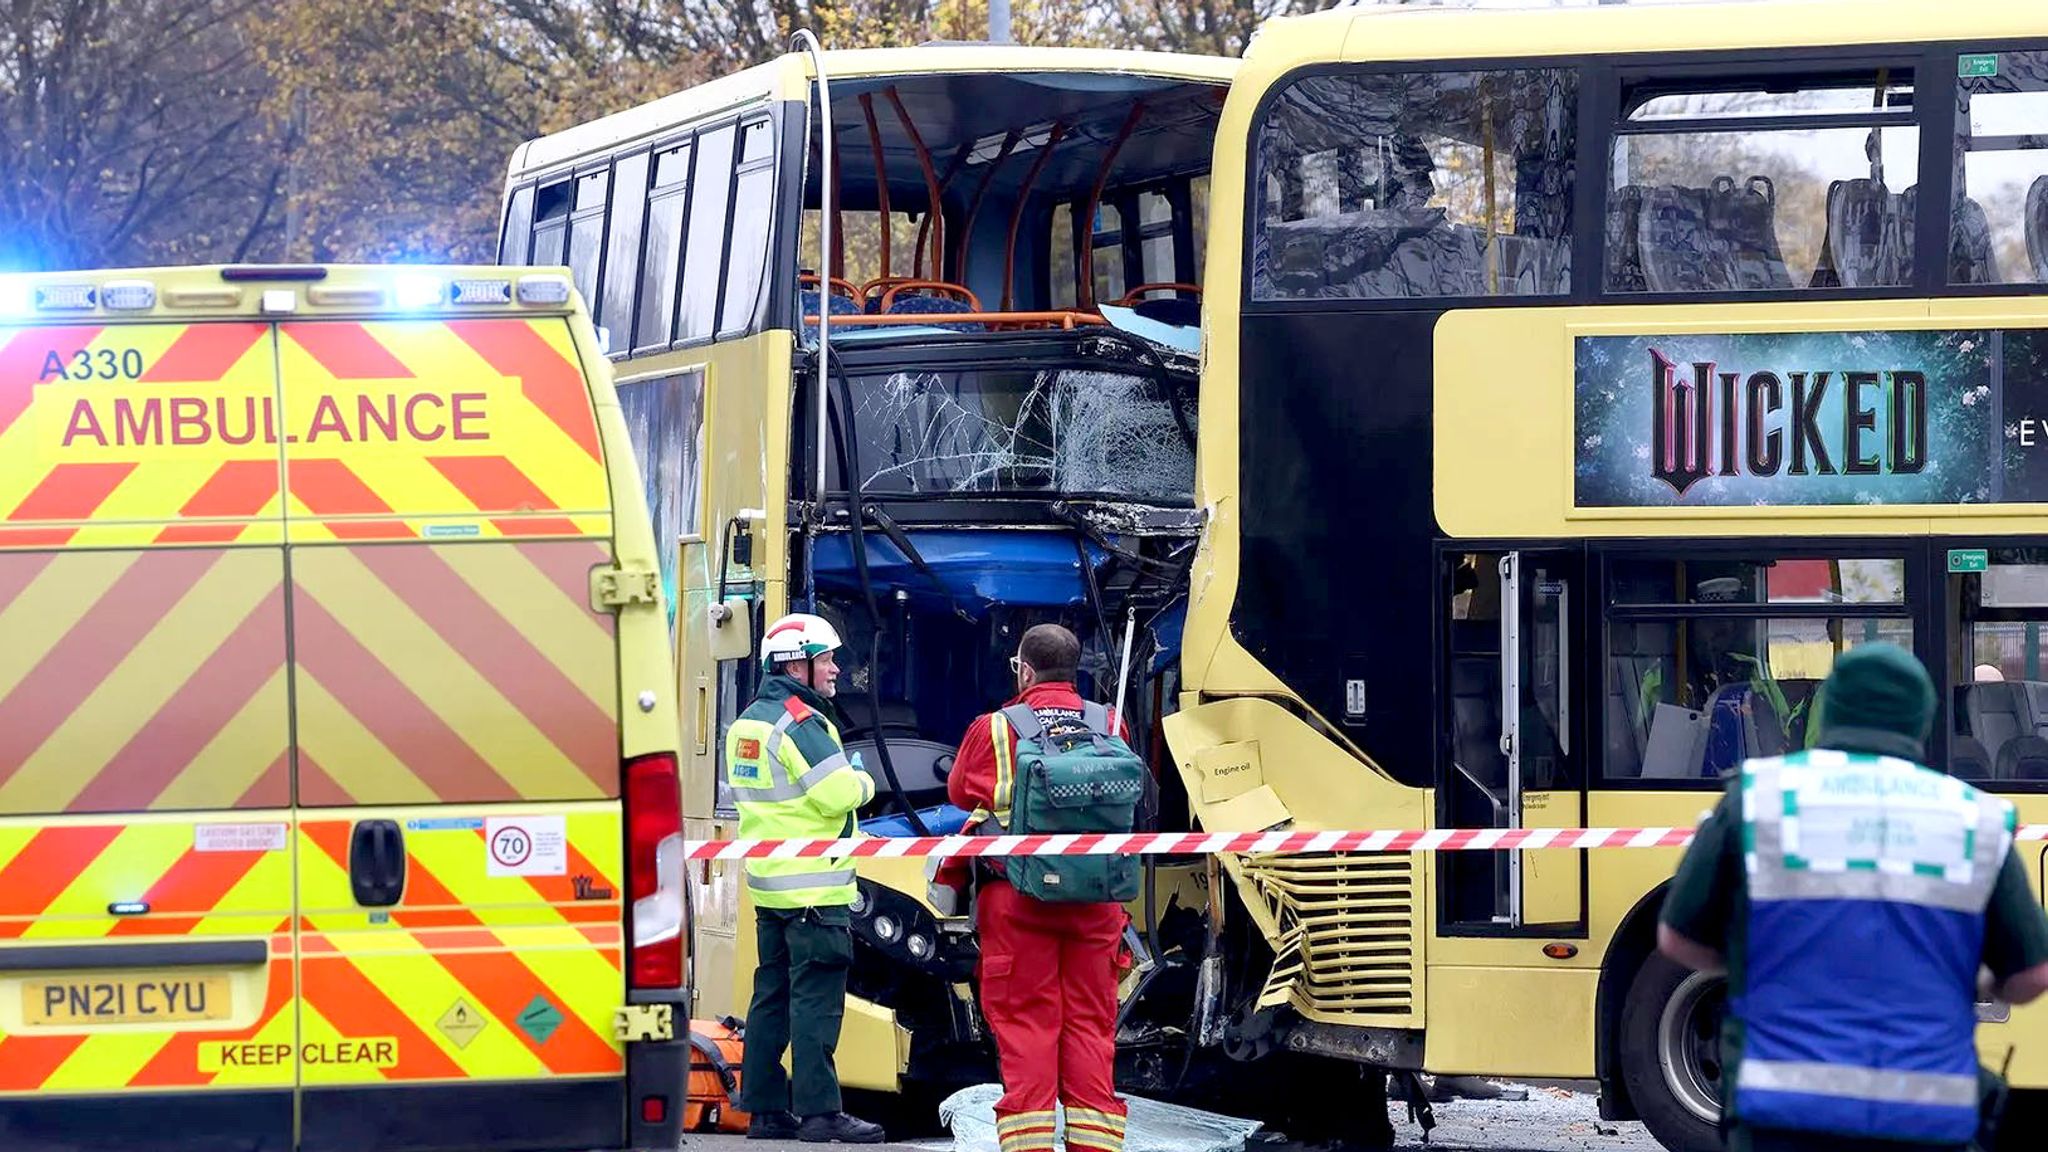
x: 1064, y: 430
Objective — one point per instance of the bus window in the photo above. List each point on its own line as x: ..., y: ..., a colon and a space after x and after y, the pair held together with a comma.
x: 1034, y: 429
x: 1416, y: 185
x: 1198, y: 216
x: 753, y: 206
x: 1710, y: 662
x: 704, y: 269
x: 1155, y: 239
x: 665, y: 419
x: 551, y: 209
x: 586, y: 233
x: 1108, y: 242
x: 658, y: 273
x: 1998, y: 230
x: 1999, y: 713
x: 1064, y: 267
x: 1725, y: 191
x: 622, y: 252
x: 515, y: 243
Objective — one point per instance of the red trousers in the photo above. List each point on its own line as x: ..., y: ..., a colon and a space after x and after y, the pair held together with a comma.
x: 1048, y: 990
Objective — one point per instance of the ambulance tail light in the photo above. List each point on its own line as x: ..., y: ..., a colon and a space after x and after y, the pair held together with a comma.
x: 654, y: 870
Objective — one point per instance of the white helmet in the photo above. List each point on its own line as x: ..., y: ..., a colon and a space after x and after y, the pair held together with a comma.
x: 797, y: 636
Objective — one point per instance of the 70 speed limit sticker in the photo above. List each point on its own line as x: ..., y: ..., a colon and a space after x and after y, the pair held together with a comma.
x: 526, y: 846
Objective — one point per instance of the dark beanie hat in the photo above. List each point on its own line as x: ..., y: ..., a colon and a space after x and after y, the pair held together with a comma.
x: 1878, y: 699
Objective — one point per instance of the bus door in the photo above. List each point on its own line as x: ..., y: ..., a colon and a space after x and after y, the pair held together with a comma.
x: 1515, y: 646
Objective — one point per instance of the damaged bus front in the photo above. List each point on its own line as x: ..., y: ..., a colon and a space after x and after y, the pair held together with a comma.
x: 908, y: 338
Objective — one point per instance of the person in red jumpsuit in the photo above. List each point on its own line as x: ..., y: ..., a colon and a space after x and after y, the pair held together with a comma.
x: 1048, y: 971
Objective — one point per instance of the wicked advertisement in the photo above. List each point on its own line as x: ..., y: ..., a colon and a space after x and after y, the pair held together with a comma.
x: 1811, y: 418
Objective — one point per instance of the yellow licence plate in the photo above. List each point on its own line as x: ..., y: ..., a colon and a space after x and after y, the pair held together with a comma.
x: 143, y: 999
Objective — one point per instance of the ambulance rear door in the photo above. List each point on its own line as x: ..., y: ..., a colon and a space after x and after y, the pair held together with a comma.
x: 458, y: 752
x: 146, y: 976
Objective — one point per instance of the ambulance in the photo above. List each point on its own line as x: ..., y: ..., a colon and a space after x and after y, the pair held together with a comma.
x: 338, y: 739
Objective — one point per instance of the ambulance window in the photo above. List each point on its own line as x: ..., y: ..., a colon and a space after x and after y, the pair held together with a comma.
x: 665, y: 219
x: 753, y: 206
x: 586, y: 233
x: 622, y: 251
x: 514, y: 244
x: 704, y: 271
x: 551, y: 224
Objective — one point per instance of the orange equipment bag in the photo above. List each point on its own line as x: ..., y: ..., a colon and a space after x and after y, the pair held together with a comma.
x: 714, y: 1099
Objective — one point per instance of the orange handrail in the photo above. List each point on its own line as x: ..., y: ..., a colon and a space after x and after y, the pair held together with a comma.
x: 878, y: 284
x: 1059, y: 129
x: 1063, y: 319
x: 934, y: 286
x: 974, y: 206
x: 936, y: 209
x: 840, y: 285
x: 1086, y: 289
x: 1131, y: 297
x: 867, y: 108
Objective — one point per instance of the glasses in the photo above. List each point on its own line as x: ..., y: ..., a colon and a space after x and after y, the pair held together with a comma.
x: 1016, y: 665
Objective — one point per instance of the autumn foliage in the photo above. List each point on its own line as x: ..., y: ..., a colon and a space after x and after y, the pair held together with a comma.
x: 175, y: 131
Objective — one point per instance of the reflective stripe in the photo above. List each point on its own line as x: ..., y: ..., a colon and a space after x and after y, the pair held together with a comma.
x: 775, y: 734
x: 780, y: 787
x: 1849, y: 1082
x: 1006, y: 768
x: 800, y: 881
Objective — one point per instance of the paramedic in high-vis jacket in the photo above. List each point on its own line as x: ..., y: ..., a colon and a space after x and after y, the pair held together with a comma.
x: 791, y: 780
x: 1853, y: 895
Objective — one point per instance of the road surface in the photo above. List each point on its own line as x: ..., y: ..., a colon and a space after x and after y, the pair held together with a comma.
x: 1550, y: 1120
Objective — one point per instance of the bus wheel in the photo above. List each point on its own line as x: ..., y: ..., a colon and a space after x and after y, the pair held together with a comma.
x: 1671, y: 1053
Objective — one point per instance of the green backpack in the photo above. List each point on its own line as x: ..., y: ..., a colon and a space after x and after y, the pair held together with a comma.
x: 1073, y: 782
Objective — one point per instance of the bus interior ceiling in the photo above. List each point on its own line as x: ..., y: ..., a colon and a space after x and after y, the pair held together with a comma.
x: 1015, y: 158
x: 1024, y: 449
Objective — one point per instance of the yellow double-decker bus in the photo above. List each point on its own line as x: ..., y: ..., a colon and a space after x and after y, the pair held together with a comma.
x: 1580, y: 384
x: 1002, y: 244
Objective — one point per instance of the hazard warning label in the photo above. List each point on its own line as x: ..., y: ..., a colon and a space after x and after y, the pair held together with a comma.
x: 460, y: 1023
x: 527, y: 846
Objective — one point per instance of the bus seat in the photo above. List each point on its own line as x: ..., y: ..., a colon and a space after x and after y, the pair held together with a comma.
x: 841, y: 305
x: 1970, y: 256
x: 1998, y: 713
x: 1968, y: 759
x: 2037, y: 227
x: 931, y: 298
x: 1676, y: 242
x: 1624, y: 239
x: 1745, y: 227
x: 2023, y: 758
x: 1865, y: 246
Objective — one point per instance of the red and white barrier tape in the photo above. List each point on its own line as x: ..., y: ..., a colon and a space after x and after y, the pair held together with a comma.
x: 1191, y: 843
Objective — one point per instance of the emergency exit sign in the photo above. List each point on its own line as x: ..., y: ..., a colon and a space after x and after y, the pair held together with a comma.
x: 1983, y: 65
x: 1968, y: 560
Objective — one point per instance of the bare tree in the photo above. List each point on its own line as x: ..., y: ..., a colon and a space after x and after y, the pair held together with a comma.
x: 133, y: 131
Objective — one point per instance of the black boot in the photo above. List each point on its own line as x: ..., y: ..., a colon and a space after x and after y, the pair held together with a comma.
x: 772, y: 1126
x: 839, y: 1128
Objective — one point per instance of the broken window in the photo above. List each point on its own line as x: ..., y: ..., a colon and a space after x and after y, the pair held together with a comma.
x: 1066, y: 430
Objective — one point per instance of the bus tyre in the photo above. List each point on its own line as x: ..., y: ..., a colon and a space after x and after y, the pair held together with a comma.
x: 1670, y: 1053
